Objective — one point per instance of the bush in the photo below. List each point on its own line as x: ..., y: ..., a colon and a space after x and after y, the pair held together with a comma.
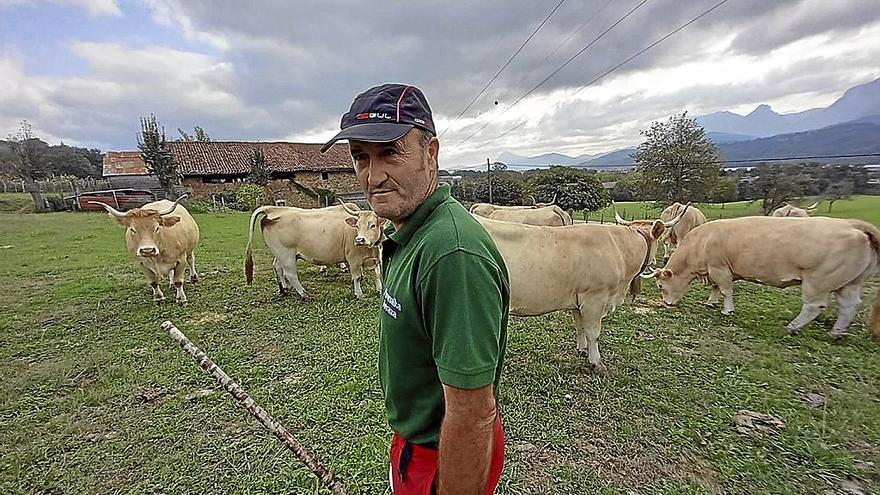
x: 249, y: 196
x: 55, y: 203
x: 202, y: 206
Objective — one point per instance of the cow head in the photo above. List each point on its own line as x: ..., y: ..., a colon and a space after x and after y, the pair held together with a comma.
x: 144, y: 227
x: 368, y: 225
x: 653, y: 229
x: 673, y: 286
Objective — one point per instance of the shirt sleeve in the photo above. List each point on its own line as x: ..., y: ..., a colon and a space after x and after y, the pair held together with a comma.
x: 462, y: 303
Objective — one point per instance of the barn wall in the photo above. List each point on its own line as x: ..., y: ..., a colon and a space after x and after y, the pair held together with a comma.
x: 336, y: 182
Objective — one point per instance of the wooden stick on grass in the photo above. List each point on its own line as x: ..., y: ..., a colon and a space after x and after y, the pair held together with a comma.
x: 256, y: 411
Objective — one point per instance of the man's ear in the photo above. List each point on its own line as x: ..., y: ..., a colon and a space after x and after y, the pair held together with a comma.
x: 665, y: 274
x: 657, y: 229
x: 434, y: 150
x: 351, y: 221
x: 170, y: 221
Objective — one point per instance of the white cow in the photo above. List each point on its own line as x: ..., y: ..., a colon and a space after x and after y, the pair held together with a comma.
x: 323, y: 236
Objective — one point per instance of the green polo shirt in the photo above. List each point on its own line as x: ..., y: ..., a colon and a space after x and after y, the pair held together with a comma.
x: 443, y: 320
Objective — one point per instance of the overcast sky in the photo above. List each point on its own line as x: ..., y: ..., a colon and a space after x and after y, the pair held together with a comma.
x: 84, y: 71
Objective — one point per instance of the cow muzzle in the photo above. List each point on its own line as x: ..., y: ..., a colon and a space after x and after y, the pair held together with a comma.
x: 360, y: 241
x: 148, y: 251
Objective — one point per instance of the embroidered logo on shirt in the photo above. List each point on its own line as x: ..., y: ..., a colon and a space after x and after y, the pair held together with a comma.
x: 390, y: 305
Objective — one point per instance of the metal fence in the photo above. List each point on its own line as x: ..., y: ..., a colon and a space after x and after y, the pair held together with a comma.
x: 58, y: 185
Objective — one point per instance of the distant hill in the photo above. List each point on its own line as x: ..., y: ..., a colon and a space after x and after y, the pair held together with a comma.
x: 857, y: 102
x: 850, y: 138
x: 544, y: 160
x: 726, y: 137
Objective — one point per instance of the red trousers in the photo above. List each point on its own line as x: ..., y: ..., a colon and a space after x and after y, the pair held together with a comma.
x: 414, y: 467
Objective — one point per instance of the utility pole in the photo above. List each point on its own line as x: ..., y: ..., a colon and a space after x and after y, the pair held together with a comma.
x: 489, y: 171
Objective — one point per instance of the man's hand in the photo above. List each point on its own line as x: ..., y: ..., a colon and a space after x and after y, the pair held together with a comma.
x: 466, y: 438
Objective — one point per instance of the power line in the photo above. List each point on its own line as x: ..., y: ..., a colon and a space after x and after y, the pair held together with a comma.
x: 582, y: 50
x: 628, y: 60
x: 523, y: 45
x: 576, y: 30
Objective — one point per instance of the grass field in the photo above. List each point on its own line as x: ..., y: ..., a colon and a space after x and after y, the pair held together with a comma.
x: 95, y: 399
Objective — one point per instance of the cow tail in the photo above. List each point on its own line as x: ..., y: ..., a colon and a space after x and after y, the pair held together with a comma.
x: 249, y: 255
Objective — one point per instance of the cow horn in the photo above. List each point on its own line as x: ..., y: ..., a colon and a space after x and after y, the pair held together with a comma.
x: 111, y: 210
x: 619, y: 220
x: 345, y: 207
x: 173, y: 207
x: 534, y: 201
x: 813, y: 206
x: 649, y: 275
x: 553, y: 201
x: 677, y: 218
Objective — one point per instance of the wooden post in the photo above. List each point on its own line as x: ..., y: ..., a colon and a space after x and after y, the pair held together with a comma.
x: 277, y: 429
x: 489, y: 171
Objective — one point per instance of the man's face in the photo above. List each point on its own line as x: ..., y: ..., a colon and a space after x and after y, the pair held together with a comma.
x: 396, y: 177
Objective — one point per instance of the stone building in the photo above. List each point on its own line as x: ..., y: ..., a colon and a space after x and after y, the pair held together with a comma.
x: 301, y: 175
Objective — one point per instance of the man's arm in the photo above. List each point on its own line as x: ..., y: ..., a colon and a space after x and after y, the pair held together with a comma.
x: 466, y: 438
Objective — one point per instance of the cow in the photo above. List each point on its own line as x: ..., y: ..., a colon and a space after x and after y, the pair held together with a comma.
x: 549, y: 216
x: 823, y: 255
x: 323, y: 236
x: 681, y: 213
x: 584, y: 268
x: 486, y: 209
x: 161, y: 238
x: 793, y: 211
x: 693, y: 218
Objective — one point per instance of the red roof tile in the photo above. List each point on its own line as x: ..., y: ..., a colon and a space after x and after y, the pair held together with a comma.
x: 234, y: 157
x: 123, y: 163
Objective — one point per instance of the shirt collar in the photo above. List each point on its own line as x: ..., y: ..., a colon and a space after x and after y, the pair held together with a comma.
x: 417, y: 219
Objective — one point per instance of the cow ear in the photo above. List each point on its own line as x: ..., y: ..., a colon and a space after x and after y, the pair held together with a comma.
x: 351, y: 221
x: 170, y: 221
x: 124, y: 221
x: 657, y: 229
x: 665, y: 274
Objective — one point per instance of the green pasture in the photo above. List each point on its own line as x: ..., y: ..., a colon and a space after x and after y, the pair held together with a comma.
x: 96, y: 399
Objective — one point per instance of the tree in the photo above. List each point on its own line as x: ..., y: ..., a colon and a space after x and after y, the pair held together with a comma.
x: 677, y: 161
x: 157, y: 155
x: 25, y: 159
x: 505, y: 191
x: 199, y: 134
x: 260, y: 173
x: 574, y: 189
x: 724, y: 190
x: 775, y: 185
x: 837, y: 191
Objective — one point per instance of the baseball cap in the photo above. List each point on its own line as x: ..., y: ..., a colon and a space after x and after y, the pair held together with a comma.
x: 383, y: 114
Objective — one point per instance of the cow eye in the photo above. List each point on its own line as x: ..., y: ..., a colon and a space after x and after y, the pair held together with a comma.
x: 372, y: 226
x: 132, y: 230
x: 157, y: 229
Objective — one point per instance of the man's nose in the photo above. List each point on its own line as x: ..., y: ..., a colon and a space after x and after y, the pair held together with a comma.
x: 377, y: 174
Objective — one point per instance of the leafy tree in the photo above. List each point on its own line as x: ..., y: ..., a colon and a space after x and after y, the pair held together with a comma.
x: 499, y: 166
x: 24, y: 157
x: 724, y: 190
x: 574, y: 189
x: 775, y: 185
x: 260, y: 173
x: 505, y: 191
x: 837, y: 191
x: 628, y: 187
x: 677, y: 161
x: 199, y: 134
x: 248, y: 196
x: 157, y: 155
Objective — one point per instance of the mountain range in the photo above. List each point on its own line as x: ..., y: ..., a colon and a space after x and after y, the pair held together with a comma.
x: 850, y: 125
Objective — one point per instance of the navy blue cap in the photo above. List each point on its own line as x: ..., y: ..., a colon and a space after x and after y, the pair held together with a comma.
x: 383, y: 114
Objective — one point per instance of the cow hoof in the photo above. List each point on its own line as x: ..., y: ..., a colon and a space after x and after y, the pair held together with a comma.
x: 792, y: 331
x: 194, y: 279
x: 159, y: 302
x: 182, y: 302
x: 727, y: 313
x: 837, y: 335
x: 599, y: 369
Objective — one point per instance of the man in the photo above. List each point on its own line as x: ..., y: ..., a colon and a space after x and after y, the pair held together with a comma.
x: 443, y: 323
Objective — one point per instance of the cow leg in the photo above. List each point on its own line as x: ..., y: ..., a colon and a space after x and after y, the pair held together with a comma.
x: 343, y: 267
x: 723, y: 280
x: 590, y: 326
x: 179, y: 273
x: 714, y: 296
x: 377, y: 271
x: 357, y: 275
x: 812, y: 304
x: 848, y: 299
x: 291, y: 275
x: 191, y: 261
x: 153, y: 278
x: 279, y: 277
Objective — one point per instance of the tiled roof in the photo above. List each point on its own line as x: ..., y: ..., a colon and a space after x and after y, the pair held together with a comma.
x: 234, y: 157
x: 123, y: 163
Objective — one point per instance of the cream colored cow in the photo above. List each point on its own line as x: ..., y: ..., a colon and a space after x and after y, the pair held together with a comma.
x: 161, y: 238
x: 793, y: 211
x: 583, y: 268
x: 823, y: 255
x: 322, y: 236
